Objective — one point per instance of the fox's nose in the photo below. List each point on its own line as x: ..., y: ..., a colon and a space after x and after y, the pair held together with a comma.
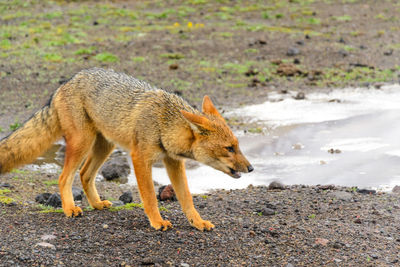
x: 250, y: 168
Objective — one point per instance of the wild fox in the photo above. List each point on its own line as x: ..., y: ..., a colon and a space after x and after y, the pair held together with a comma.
x: 98, y: 109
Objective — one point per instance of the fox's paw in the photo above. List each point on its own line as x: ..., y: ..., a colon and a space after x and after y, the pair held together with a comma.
x: 73, y: 211
x: 102, y: 204
x: 202, y: 225
x: 163, y: 225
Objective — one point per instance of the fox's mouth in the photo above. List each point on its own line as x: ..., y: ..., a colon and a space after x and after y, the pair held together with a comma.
x: 234, y: 173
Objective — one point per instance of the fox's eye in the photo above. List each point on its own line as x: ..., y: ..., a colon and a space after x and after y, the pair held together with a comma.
x: 230, y: 149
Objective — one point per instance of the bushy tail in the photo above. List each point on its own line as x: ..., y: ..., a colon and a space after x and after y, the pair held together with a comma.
x: 30, y: 140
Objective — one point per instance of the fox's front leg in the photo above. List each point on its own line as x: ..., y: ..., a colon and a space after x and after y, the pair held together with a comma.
x: 177, y: 175
x: 142, y: 168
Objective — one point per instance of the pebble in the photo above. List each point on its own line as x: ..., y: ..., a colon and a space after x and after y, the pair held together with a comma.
x: 166, y: 193
x: 300, y: 96
x: 105, y: 226
x: 45, y: 245
x: 366, y: 191
x: 47, y: 237
x: 276, y: 185
x: 396, y: 189
x: 341, y: 195
x: 126, y: 197
x: 292, y: 51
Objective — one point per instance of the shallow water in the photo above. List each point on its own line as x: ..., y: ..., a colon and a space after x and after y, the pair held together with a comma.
x: 360, y: 126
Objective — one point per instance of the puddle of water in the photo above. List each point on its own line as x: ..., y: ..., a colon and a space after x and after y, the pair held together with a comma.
x: 362, y: 124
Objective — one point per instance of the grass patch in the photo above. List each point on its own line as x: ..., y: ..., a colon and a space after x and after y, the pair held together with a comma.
x: 85, y: 51
x: 51, y: 182
x: 138, y: 59
x: 128, y: 206
x: 49, y: 209
x: 344, y: 18
x: 106, y: 57
x: 15, y: 126
x: 52, y: 57
x: 5, y: 199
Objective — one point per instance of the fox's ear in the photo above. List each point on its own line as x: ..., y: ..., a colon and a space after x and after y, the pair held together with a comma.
x: 209, y: 108
x: 198, y: 123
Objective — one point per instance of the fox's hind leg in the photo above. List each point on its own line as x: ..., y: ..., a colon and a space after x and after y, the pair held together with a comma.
x: 177, y: 175
x: 77, y: 146
x: 99, y: 153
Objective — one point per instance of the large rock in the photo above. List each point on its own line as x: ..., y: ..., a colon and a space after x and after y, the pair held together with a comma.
x: 117, y: 168
x: 54, y: 200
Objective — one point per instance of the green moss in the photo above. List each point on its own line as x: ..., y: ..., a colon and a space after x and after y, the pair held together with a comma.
x: 53, y: 57
x: 51, y: 182
x: 85, y: 51
x: 138, y: 59
x: 106, y: 57
x: 128, y: 206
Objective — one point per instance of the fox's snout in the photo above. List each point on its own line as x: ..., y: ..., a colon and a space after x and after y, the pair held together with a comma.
x: 242, y: 165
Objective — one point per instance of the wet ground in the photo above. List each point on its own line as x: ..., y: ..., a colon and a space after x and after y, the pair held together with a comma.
x: 241, y: 54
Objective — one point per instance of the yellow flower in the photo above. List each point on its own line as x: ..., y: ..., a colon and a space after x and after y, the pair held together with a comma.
x: 199, y: 25
x: 176, y: 24
x: 190, y: 24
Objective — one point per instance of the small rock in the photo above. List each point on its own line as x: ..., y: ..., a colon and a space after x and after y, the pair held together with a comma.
x: 288, y: 69
x: 276, y: 185
x: 334, y: 151
x: 366, y: 191
x: 173, y: 66
x: 117, y: 203
x: 298, y: 146
x: 268, y: 212
x: 321, y: 241
x: 357, y: 221
x: 300, y: 96
x: 183, y: 264
x: 77, y: 193
x: 301, y: 42
x: 292, y: 51
x: 42, y: 198
x: 105, y: 226
x: 289, y: 265
x: 388, y: 53
x: 251, y: 72
x: 296, y: 61
x: 45, y: 245
x: 396, y: 189
x: 126, y: 197
x: 326, y: 187
x: 5, y: 185
x: 54, y: 200
x: 166, y: 193
x: 341, y: 195
x: 47, y: 237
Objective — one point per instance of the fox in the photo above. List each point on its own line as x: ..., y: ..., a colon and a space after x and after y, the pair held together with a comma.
x: 98, y: 109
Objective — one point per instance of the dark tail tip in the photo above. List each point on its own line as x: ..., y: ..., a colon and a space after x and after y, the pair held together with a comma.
x: 250, y: 168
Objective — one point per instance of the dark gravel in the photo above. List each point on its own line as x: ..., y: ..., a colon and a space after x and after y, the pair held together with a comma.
x: 298, y: 226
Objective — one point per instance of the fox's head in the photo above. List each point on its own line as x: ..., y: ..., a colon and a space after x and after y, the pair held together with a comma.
x: 214, y: 143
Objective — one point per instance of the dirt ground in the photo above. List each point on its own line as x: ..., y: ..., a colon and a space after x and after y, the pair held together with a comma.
x: 236, y: 52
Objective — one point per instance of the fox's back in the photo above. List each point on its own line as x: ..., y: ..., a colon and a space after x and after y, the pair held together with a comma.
x: 119, y: 104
